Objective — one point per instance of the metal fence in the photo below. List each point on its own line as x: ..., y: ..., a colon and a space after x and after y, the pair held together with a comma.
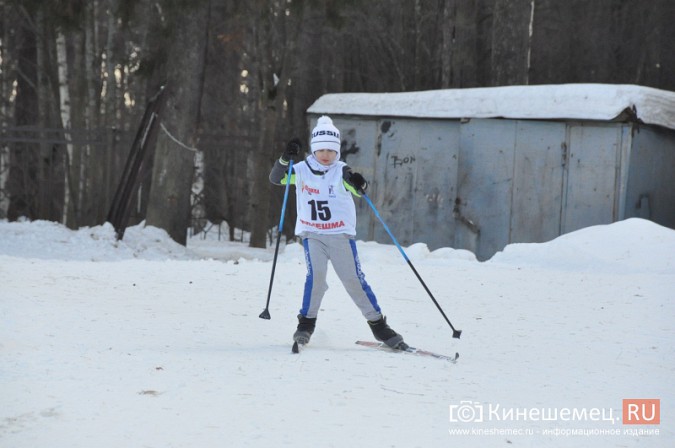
x: 60, y: 175
x: 34, y: 183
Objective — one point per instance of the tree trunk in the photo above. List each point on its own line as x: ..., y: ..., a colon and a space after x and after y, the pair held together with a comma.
x: 169, y: 201
x: 447, y: 37
x: 470, y: 50
x: 275, y: 39
x: 511, y: 42
x: 110, y: 56
x: 6, y: 87
x: 71, y: 171
x: 22, y: 178
x: 265, y: 90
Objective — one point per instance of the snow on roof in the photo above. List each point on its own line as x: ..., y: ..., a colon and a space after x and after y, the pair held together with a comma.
x: 564, y: 101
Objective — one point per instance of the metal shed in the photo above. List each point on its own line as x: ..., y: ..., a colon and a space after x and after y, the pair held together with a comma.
x: 478, y: 169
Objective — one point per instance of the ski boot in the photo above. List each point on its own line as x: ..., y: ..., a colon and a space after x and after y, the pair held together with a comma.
x: 384, y: 333
x: 305, y: 329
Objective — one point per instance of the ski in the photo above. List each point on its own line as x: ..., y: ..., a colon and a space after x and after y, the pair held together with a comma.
x: 411, y: 350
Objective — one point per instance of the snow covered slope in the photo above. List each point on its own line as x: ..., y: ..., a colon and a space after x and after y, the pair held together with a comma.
x: 144, y: 343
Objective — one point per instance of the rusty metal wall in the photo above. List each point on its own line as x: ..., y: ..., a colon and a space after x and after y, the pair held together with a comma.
x: 486, y: 168
x: 412, y: 169
x: 416, y: 175
x: 539, y: 170
x: 650, y: 189
x: 593, y: 175
x: 359, y: 139
x: 481, y: 184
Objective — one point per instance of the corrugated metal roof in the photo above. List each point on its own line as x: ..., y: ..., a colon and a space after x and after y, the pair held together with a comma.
x: 605, y: 102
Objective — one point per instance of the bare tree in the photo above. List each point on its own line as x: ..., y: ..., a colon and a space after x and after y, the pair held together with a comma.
x: 226, y: 135
x: 268, y: 60
x: 511, y: 24
x: 169, y: 202
x: 22, y: 178
x: 274, y: 33
x: 605, y: 41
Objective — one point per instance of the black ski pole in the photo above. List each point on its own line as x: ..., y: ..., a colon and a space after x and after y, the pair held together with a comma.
x: 266, y: 312
x: 455, y: 333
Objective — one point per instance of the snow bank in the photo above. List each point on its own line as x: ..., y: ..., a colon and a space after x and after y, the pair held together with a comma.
x: 48, y: 240
x: 633, y: 245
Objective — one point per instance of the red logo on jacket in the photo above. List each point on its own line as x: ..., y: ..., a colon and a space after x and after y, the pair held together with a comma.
x: 309, y: 189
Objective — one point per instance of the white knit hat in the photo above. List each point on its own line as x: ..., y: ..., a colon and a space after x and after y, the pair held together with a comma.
x: 325, y: 136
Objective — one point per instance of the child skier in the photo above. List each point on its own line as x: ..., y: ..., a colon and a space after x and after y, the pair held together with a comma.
x: 326, y: 223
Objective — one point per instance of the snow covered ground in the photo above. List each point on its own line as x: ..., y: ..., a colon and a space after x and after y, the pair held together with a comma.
x: 145, y: 343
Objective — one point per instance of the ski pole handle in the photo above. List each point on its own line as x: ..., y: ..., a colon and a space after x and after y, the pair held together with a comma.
x: 288, y: 185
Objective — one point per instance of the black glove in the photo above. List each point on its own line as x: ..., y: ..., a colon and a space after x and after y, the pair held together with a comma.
x: 292, y: 149
x: 358, y: 181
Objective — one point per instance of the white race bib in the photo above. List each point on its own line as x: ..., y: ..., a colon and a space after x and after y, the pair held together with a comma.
x: 324, y: 204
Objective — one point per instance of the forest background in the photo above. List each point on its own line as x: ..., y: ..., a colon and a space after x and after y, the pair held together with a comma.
x: 212, y: 89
